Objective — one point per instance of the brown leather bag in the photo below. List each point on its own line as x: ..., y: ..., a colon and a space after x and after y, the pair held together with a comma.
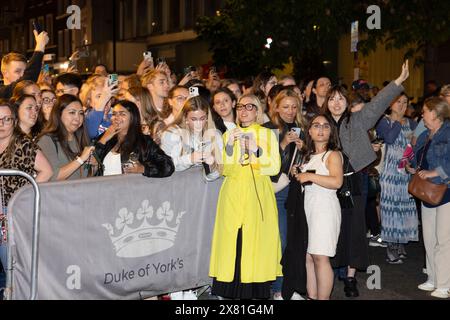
x: 424, y: 189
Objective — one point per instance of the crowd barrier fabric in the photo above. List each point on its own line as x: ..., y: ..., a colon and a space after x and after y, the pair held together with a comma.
x: 122, y: 237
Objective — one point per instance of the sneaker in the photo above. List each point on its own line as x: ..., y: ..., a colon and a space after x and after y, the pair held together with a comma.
x: 297, y: 296
x: 441, y: 293
x: 277, y: 296
x: 176, y: 295
x: 392, y: 254
x: 376, y: 241
x: 401, y: 251
x: 426, y: 286
x: 189, y: 295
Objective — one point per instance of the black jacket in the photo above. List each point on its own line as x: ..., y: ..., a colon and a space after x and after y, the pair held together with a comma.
x: 31, y: 73
x: 155, y: 161
x: 287, y: 153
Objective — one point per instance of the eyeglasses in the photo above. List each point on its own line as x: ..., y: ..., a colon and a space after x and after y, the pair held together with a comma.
x: 323, y: 126
x: 181, y: 98
x: 248, y: 106
x: 48, y: 100
x: 6, y: 121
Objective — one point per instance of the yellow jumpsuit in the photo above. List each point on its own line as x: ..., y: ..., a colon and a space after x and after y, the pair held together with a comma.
x: 239, y: 207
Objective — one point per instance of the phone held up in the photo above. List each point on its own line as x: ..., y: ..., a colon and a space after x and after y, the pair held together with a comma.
x: 37, y: 27
x: 297, y: 131
x: 113, y: 79
x: 147, y: 55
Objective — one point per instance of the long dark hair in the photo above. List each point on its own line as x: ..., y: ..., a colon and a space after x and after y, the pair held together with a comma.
x: 261, y: 80
x: 38, y: 126
x: 333, y: 143
x: 218, y: 121
x: 16, y: 131
x: 134, y: 138
x: 57, y: 131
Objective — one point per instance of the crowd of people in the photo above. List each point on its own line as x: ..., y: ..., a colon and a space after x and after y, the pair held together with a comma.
x: 310, y: 170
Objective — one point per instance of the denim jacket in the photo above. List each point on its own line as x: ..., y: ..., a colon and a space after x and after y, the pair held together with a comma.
x: 438, y: 155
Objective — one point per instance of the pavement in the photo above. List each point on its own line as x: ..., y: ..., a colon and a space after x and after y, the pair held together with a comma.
x: 397, y: 282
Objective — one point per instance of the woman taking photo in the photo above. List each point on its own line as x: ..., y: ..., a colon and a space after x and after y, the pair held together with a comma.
x: 246, y: 251
x: 17, y: 152
x: 432, y: 154
x: 123, y: 148
x: 288, y: 123
x: 322, y: 176
x: 65, y: 142
x: 352, y: 250
x: 399, y: 221
x: 186, y: 141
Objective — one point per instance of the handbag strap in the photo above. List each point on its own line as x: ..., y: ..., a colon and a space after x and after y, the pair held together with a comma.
x: 423, y: 153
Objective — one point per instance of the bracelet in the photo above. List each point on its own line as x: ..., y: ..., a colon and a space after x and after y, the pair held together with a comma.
x: 78, y: 159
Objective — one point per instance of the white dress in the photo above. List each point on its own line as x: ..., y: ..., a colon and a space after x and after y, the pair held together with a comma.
x: 323, y: 211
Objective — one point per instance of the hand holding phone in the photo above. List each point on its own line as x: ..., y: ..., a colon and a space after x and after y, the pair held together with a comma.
x: 297, y: 131
x: 147, y: 55
x: 113, y: 79
x: 37, y: 27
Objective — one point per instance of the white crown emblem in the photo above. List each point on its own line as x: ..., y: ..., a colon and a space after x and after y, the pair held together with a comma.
x: 146, y: 233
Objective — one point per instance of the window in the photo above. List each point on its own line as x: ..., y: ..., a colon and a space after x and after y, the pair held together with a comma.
x: 127, y: 7
x: 174, y: 18
x: 142, y: 18
x: 157, y: 16
x: 49, y: 27
x: 31, y: 34
x: 192, y: 11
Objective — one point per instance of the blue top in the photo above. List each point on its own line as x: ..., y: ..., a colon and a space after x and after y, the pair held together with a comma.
x: 97, y: 123
x: 437, y: 156
x: 426, y: 166
x: 389, y: 130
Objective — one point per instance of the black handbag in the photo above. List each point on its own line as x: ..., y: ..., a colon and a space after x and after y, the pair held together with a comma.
x: 344, y: 194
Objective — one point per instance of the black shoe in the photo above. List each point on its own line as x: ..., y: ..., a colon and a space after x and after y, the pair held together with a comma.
x: 350, y: 289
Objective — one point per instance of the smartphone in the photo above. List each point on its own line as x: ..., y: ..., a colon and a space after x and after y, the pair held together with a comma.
x: 193, y: 92
x: 83, y: 52
x: 37, y: 27
x: 161, y: 60
x: 309, y: 182
x: 297, y: 131
x: 189, y: 69
x: 147, y: 55
x: 46, y: 68
x: 113, y: 78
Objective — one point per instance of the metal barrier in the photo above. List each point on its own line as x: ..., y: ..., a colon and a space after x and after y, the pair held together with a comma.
x: 35, y: 242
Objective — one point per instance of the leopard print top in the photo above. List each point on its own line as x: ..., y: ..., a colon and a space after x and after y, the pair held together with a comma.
x: 22, y: 159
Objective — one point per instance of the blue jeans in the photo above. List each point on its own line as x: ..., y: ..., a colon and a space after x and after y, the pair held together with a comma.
x: 281, y: 198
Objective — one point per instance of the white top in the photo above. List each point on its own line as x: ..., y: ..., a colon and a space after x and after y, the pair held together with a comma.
x: 172, y: 145
x: 113, y: 164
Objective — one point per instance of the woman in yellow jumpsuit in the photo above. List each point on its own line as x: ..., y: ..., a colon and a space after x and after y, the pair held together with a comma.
x: 246, y: 248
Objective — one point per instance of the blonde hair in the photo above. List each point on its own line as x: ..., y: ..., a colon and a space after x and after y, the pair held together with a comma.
x: 275, y: 115
x: 150, y: 76
x: 439, y: 106
x: 10, y: 57
x: 259, y: 110
x: 90, y: 85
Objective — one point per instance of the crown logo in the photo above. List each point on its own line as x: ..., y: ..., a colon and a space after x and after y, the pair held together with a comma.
x: 146, y: 233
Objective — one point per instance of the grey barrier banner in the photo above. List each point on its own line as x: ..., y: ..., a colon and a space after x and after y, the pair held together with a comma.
x: 123, y: 237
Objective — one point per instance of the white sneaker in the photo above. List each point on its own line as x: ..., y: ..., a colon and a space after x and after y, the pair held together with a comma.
x: 189, y: 295
x: 277, y: 296
x: 297, y: 296
x: 441, y: 293
x: 426, y: 286
x: 176, y: 295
